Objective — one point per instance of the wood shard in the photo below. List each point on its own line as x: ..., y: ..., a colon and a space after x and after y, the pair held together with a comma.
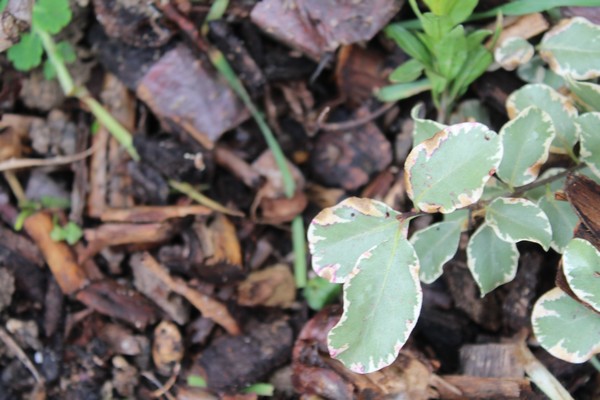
x: 149, y: 214
x: 58, y: 255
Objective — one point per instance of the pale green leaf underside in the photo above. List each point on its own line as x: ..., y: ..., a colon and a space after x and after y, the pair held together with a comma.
x: 581, y: 265
x: 560, y: 108
x: 572, y: 49
x: 565, y: 328
x: 491, y: 260
x: 526, y: 140
x: 449, y: 170
x: 589, y: 124
x: 423, y: 128
x: 515, y: 219
x: 513, y: 52
x: 563, y: 221
x: 586, y: 93
x: 435, y: 246
x: 381, y: 306
x: 339, y: 235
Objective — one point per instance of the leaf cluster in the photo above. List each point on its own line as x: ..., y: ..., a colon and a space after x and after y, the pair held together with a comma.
x: 480, y: 181
x: 450, y: 57
x: 50, y: 16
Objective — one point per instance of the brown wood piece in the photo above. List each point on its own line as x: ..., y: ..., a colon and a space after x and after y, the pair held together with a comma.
x: 58, y: 255
x: 151, y: 214
x: 474, y: 387
x: 492, y: 360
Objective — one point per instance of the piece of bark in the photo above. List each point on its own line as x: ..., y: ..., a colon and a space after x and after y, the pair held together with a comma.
x: 58, y: 255
x: 109, y: 298
x: 271, y: 287
x: 149, y: 186
x: 315, y: 27
x: 231, y: 363
x: 240, y: 60
x: 525, y: 27
x: 153, y: 288
x: 209, y: 307
x: 492, y: 360
x: 222, y: 261
x: 359, y: 72
x: 237, y: 166
x: 477, y: 388
x: 348, y: 159
x: 151, y: 214
x: 494, y: 88
x: 53, y: 308
x: 15, y: 19
x: 167, y: 347
x: 135, y: 23
x: 584, y: 195
x: 21, y: 245
x: 185, y: 92
x: 7, y: 288
x: 484, y: 311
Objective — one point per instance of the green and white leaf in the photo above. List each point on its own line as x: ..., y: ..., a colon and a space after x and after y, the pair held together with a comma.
x: 449, y: 170
x: 435, y: 246
x: 513, y: 52
x: 338, y: 236
x: 491, y: 260
x: 589, y: 126
x: 572, y: 49
x: 565, y: 328
x: 381, y: 306
x: 563, y: 221
x: 516, y: 219
x: 581, y: 265
x: 526, y: 140
x: 587, y: 94
x: 535, y: 72
x: 494, y: 188
x: 459, y: 216
x: 560, y: 108
x: 407, y: 72
x: 423, y: 128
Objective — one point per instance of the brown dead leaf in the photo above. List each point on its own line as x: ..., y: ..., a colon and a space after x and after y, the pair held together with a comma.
x: 271, y: 287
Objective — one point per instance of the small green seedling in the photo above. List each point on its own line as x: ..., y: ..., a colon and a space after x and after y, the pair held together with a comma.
x: 482, y: 182
x: 49, y: 17
x: 450, y: 57
x: 70, y: 233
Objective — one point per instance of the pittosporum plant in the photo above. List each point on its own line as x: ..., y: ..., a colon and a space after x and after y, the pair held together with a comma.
x: 484, y: 182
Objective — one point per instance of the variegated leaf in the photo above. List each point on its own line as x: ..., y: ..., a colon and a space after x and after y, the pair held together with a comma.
x: 565, y: 328
x: 589, y: 125
x: 581, y: 265
x: 338, y: 236
x: 526, y: 140
x: 560, y: 108
x: 491, y: 260
x: 449, y: 170
x: 515, y: 219
x: 512, y: 52
x: 381, y: 305
x: 572, y: 49
x: 423, y: 129
x: 435, y: 246
x: 587, y: 94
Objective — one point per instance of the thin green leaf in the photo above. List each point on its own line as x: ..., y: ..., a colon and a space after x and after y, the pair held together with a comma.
x: 572, y: 49
x: 491, y: 260
x: 581, y: 265
x: 565, y: 328
x: 478, y: 60
x: 451, y: 52
x: 407, y: 72
x: 402, y: 91
x: 435, y: 26
x: 515, y: 219
x: 338, y: 236
x: 560, y: 108
x: 449, y: 170
x: 435, y: 246
x: 261, y: 389
x: 381, y: 306
x: 461, y: 10
x: 409, y: 43
x: 523, y: 7
x: 526, y: 140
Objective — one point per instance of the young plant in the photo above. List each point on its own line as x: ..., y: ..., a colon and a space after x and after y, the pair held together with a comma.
x: 49, y: 17
x: 450, y: 57
x: 479, y: 180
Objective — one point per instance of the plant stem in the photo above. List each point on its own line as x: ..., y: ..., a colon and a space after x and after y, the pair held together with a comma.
x: 540, y: 375
x: 550, y: 179
x: 289, y: 186
x: 71, y: 89
x: 595, y: 362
